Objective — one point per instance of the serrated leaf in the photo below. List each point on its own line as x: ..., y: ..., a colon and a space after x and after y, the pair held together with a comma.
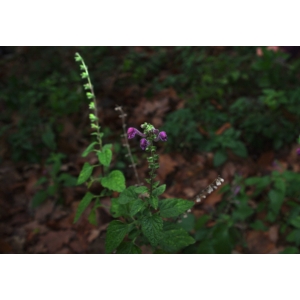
x: 89, y: 149
x: 83, y: 204
x: 174, y: 207
x: 153, y: 201
x: 175, y: 239
x: 117, y: 209
x: 158, y: 191
x: 105, y: 157
x: 152, y: 228
x: 128, y: 248
x: 85, y: 173
x: 115, y: 181
x: 115, y: 234
x: 140, y: 189
x: 136, y: 206
x: 128, y: 195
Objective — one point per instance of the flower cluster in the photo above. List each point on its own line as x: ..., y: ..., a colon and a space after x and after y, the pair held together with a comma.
x: 144, y: 142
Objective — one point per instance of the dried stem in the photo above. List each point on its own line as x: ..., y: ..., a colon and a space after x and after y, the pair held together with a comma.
x: 133, y: 164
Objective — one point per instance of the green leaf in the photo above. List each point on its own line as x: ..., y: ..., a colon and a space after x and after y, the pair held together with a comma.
x: 152, y: 228
x: 259, y: 225
x: 117, y: 209
x: 175, y: 239
x: 105, y: 157
x: 128, y: 248
x: 294, y: 236
x: 89, y: 149
x: 158, y: 191
x: 128, y: 195
x: 153, y: 201
x: 38, y: 199
x: 106, y: 146
x: 93, y: 216
x: 140, y: 189
x: 48, y: 138
x: 115, y: 181
x: 260, y: 183
x: 136, y: 206
x: 85, y: 173
x: 202, y: 221
x: 67, y: 179
x: 240, y: 149
x: 174, y: 207
x: 295, y: 222
x: 188, y: 223
x: 83, y: 204
x: 115, y: 234
x: 221, y: 240
x: 276, y: 200
x: 219, y: 158
x: 290, y: 250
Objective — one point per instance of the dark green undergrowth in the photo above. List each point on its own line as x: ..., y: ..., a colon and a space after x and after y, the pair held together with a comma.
x: 255, y: 97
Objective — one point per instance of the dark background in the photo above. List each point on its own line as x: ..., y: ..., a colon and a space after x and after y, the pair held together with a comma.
x: 228, y: 111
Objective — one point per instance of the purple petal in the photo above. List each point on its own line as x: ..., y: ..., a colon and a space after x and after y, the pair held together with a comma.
x: 163, y: 136
x: 298, y: 151
x: 144, y: 144
x: 131, y: 132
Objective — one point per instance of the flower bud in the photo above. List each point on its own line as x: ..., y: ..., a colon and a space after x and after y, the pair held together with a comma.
x: 144, y: 144
x: 163, y: 136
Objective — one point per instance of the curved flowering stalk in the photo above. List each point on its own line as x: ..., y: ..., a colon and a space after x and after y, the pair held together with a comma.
x: 150, y: 134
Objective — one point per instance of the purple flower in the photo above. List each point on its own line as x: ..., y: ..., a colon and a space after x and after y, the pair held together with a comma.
x: 163, y: 136
x: 298, y: 151
x: 131, y: 132
x: 144, y: 143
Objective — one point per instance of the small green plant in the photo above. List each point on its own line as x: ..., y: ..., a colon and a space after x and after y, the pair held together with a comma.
x: 144, y: 218
x: 53, y: 181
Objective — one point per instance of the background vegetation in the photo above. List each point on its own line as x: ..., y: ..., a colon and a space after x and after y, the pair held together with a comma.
x: 227, y: 110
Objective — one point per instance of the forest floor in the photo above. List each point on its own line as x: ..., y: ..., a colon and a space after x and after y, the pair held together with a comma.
x: 49, y: 228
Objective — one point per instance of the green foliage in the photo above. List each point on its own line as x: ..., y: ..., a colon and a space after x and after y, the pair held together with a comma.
x: 84, y: 203
x: 116, y: 232
x: 115, y: 181
x: 174, y: 207
x: 53, y: 183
